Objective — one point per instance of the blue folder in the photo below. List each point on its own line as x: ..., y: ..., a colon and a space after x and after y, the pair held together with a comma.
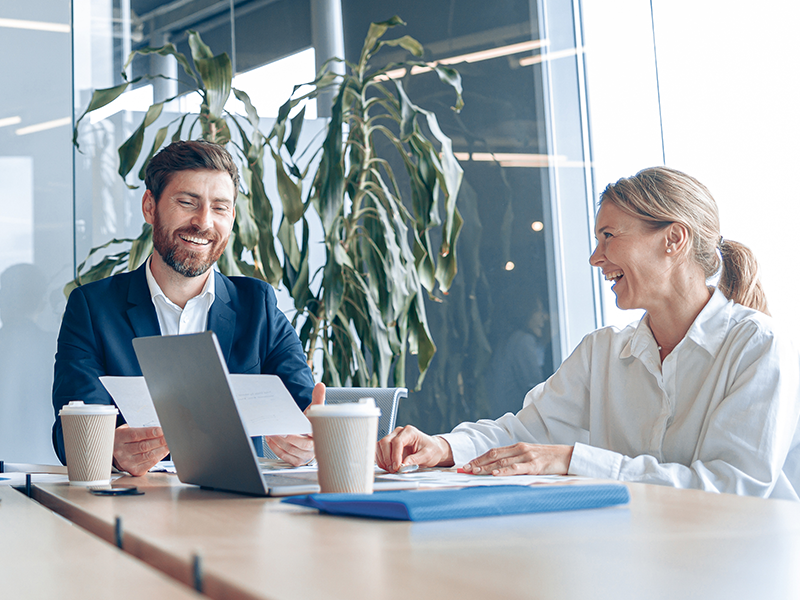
x: 461, y: 503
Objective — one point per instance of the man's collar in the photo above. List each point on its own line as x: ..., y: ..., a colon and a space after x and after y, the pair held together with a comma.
x: 156, y: 291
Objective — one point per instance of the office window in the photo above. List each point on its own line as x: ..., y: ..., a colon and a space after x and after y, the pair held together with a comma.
x: 36, y: 256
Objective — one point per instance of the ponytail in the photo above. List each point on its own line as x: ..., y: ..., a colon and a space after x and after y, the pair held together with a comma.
x: 738, y: 280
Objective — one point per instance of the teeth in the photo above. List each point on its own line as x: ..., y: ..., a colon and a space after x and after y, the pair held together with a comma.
x: 195, y: 240
x: 613, y: 275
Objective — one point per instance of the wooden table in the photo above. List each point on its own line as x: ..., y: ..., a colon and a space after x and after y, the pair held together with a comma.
x: 44, y: 556
x: 667, y: 543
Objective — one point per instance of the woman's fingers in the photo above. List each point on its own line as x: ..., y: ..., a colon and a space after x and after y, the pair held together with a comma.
x: 522, y: 459
x: 409, y: 446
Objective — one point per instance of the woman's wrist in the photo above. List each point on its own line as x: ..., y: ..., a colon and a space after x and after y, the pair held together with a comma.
x: 445, y: 452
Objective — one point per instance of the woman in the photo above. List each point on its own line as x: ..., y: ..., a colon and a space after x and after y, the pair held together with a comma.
x: 701, y: 393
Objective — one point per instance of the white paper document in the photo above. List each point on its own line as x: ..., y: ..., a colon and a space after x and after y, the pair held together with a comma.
x: 265, y: 404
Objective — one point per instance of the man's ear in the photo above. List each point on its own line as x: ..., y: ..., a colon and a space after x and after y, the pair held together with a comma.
x: 148, y: 207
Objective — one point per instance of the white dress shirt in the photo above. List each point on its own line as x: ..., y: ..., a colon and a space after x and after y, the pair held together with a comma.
x: 720, y: 414
x: 174, y: 320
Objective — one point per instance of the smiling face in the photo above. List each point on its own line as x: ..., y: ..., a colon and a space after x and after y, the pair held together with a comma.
x: 632, y: 255
x: 192, y: 220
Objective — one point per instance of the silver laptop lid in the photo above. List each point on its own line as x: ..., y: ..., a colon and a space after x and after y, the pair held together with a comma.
x: 190, y: 385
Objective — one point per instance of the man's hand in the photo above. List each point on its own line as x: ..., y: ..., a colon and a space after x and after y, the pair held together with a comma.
x: 297, y: 449
x: 522, y: 459
x: 409, y: 446
x: 137, y: 449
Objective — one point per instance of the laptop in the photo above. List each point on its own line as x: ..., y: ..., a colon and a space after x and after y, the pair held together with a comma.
x: 190, y: 386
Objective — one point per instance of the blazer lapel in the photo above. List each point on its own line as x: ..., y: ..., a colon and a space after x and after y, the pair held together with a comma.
x: 221, y: 317
x: 142, y: 313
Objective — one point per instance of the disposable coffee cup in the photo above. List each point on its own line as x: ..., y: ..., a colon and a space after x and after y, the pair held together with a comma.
x: 88, y: 442
x: 345, y: 436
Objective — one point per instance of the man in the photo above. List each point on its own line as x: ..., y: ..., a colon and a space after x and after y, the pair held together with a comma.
x: 190, y: 202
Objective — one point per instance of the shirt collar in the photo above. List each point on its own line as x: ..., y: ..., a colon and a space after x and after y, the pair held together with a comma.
x: 708, y: 330
x: 156, y: 291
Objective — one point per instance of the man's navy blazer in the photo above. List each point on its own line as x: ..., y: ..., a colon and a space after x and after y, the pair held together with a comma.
x: 102, y: 319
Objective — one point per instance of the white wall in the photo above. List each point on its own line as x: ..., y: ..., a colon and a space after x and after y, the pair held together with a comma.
x: 727, y: 73
x: 730, y: 97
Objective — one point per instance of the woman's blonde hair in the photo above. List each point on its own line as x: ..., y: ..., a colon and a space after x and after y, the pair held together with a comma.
x: 661, y: 196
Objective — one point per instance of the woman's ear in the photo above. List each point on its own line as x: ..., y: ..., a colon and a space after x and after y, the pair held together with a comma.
x: 677, y: 238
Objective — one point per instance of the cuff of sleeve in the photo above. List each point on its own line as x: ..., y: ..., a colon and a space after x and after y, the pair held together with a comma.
x: 461, y: 446
x: 589, y: 461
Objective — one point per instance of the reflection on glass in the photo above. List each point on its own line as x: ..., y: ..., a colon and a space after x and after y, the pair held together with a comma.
x: 36, y: 217
x: 26, y: 352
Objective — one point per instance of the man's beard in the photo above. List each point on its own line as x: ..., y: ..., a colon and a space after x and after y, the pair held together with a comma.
x: 184, y: 261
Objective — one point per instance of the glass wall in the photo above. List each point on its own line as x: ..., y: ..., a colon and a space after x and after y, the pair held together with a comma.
x: 36, y: 240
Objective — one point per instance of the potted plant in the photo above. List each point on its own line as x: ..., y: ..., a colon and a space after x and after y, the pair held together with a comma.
x: 364, y: 311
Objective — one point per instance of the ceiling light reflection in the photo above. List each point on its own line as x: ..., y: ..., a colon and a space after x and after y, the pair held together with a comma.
x: 36, y: 25
x: 471, y: 57
x: 10, y: 121
x: 44, y: 126
x: 535, y: 60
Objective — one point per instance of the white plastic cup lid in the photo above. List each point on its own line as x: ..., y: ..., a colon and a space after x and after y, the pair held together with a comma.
x: 365, y: 407
x: 77, y: 407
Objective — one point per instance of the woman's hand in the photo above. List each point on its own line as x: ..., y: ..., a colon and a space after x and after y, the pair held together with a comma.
x: 409, y: 446
x: 522, y: 459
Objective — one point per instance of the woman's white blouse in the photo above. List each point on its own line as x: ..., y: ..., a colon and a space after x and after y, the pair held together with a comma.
x: 720, y: 414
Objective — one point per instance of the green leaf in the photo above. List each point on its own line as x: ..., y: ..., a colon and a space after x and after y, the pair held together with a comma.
x: 165, y: 50
x: 217, y: 75
x: 289, y: 191
x: 214, y: 129
x: 266, y: 257
x: 329, y: 181
x: 255, y: 123
x: 141, y: 247
x: 446, y: 267
x: 354, y: 345
x: 379, y: 336
x: 294, y: 136
x: 331, y: 368
x: 424, y: 262
x: 199, y: 48
x: 227, y: 262
x: 288, y: 240
x: 376, y: 31
x: 131, y: 148
x: 332, y: 286
x: 453, y: 78
x: 406, y: 42
x: 177, y: 135
x: 422, y: 345
x: 297, y: 280
x: 161, y: 135
x: 246, y: 228
x: 100, y: 98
